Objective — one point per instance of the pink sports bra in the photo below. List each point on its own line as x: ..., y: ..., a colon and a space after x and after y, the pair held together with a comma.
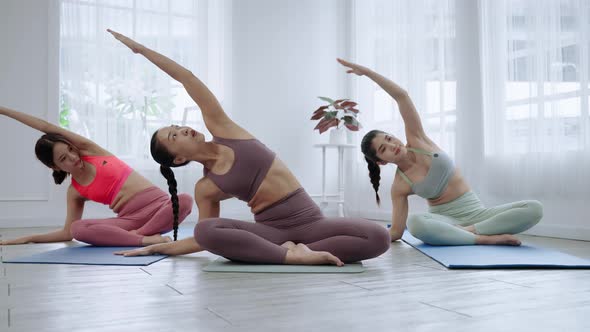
x: 111, y: 174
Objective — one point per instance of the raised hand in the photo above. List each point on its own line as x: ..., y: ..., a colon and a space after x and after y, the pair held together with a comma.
x: 132, y: 44
x: 354, y: 68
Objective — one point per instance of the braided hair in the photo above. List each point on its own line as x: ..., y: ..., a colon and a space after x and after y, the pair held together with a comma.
x: 372, y: 160
x: 44, y: 152
x: 166, y: 160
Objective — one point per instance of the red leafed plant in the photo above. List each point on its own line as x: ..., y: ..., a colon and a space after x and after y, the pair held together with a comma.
x: 336, y: 113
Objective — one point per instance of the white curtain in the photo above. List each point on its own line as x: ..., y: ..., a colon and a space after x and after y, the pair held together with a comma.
x: 535, y: 69
x: 117, y: 98
x: 412, y: 43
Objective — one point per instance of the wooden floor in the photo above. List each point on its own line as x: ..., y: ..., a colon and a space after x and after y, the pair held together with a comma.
x: 402, y: 290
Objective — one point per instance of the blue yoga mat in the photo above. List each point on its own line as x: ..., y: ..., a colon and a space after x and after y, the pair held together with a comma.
x: 87, y: 255
x: 493, y: 257
x: 91, y: 255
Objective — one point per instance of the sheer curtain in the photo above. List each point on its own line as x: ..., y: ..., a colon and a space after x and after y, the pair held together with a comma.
x: 535, y: 69
x: 118, y: 99
x: 412, y: 43
x: 510, y: 78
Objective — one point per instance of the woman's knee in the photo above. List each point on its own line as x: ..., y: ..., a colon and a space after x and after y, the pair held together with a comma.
x: 534, y: 212
x: 536, y: 209
x: 77, y: 229
x: 379, y: 239
x: 418, y: 224
x: 204, y: 231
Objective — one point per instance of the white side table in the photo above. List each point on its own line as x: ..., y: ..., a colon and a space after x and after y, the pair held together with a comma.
x: 339, y: 197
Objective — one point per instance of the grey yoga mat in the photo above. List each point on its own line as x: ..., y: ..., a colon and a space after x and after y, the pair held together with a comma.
x: 223, y: 265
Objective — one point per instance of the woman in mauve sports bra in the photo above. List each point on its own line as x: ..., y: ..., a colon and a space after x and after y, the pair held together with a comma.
x: 289, y: 227
x: 143, y: 210
x: 456, y: 216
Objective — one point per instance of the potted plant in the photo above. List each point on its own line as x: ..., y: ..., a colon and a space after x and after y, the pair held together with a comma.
x: 339, y: 113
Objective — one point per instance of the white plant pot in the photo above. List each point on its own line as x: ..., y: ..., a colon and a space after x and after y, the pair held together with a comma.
x: 338, y: 135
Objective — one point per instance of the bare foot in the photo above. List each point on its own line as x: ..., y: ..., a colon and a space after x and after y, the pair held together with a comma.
x: 504, y: 239
x: 288, y: 244
x: 300, y: 254
x: 155, y: 239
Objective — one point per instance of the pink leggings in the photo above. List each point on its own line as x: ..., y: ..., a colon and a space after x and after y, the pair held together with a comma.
x: 149, y: 212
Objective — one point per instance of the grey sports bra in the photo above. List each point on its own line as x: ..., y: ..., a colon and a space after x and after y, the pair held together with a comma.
x: 436, y: 181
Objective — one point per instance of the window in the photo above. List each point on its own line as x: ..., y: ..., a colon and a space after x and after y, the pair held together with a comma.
x: 116, y: 98
x: 546, y: 77
x: 412, y: 43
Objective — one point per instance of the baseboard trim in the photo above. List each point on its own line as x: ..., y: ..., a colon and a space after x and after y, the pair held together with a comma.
x: 561, y: 232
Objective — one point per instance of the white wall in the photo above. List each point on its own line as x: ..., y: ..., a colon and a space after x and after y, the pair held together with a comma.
x: 284, y: 56
x: 27, y: 194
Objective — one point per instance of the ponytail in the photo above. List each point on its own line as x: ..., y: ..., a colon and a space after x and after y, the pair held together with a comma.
x: 372, y: 159
x: 169, y: 175
x: 375, y: 176
x: 166, y: 161
x: 59, y: 176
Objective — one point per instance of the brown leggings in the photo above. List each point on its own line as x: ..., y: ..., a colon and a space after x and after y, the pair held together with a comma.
x: 294, y: 218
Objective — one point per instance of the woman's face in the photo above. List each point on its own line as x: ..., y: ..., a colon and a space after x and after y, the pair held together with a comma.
x: 66, y: 158
x: 388, y: 148
x: 179, y: 141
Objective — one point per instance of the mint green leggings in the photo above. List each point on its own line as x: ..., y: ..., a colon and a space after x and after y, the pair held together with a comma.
x: 438, y: 227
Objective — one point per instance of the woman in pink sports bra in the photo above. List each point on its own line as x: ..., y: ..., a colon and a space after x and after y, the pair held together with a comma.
x: 143, y: 210
x: 289, y: 229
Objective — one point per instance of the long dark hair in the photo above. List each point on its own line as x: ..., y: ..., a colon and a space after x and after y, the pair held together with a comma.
x: 166, y: 160
x: 372, y: 160
x: 44, y: 152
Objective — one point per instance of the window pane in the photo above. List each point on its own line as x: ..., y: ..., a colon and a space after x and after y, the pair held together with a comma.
x: 118, y: 3
x: 112, y: 96
x: 184, y: 7
x: 563, y: 108
x: 384, y: 108
x: 516, y: 90
x: 83, y: 19
x: 155, y: 5
x: 521, y: 112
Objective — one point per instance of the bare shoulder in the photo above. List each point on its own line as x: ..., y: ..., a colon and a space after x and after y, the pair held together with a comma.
x: 422, y: 142
x: 231, y: 130
x: 94, y: 150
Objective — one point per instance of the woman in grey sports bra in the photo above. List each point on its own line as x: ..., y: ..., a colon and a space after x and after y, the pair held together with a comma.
x: 456, y: 216
x: 289, y: 227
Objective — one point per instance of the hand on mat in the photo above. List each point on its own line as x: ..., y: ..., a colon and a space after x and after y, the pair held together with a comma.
x: 132, y: 44
x: 20, y: 240
x: 354, y: 68
x: 145, y: 251
x: 395, y: 235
